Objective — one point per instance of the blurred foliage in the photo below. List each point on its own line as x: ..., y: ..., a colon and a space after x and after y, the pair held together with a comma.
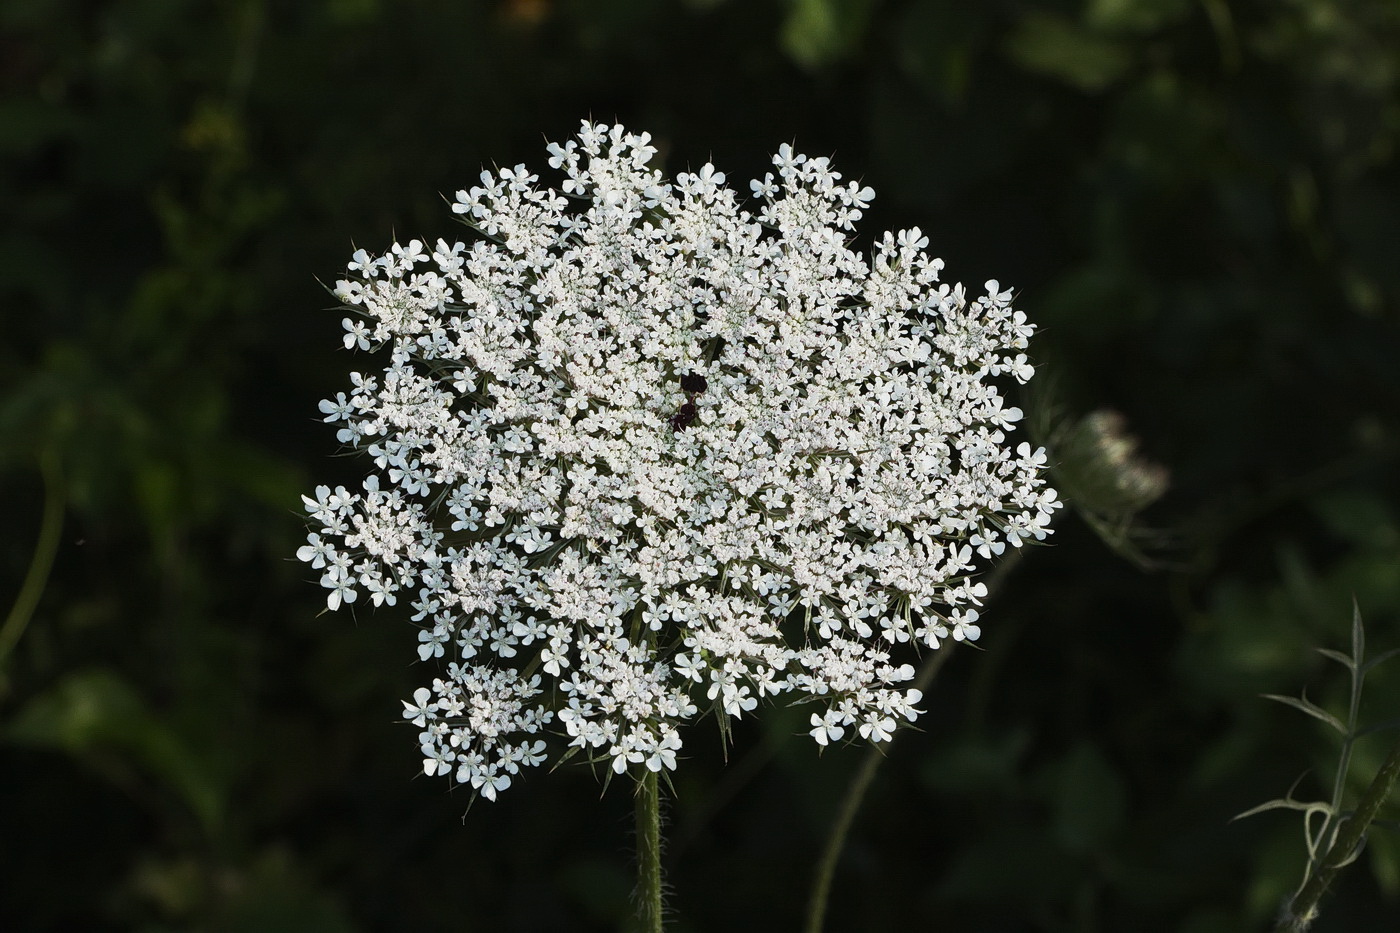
x: 1198, y: 200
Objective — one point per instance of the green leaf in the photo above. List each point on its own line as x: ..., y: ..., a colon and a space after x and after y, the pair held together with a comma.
x: 1385, y: 860
x: 278, y: 894
x: 1283, y: 804
x: 569, y: 753
x: 819, y: 32
x: 597, y: 886
x: 1090, y: 802
x: 1378, y: 660
x: 1138, y: 16
x: 1312, y: 709
x: 93, y: 715
x: 1342, y: 659
x: 1051, y: 46
x: 1378, y: 727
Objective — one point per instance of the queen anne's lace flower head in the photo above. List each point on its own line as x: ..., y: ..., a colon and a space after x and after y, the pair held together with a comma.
x: 640, y: 454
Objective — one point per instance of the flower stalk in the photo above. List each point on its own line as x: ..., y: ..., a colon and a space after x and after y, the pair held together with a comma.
x: 648, y: 814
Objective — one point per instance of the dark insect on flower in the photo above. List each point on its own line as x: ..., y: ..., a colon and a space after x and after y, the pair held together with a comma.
x: 694, y: 383
x: 684, y: 417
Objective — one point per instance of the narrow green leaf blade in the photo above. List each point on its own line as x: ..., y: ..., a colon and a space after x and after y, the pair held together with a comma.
x: 1379, y: 727
x: 1378, y: 660
x: 1312, y: 709
x: 1358, y: 633
x: 1279, y: 804
x: 1337, y: 656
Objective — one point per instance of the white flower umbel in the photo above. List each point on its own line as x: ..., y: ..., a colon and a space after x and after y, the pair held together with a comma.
x: 641, y: 453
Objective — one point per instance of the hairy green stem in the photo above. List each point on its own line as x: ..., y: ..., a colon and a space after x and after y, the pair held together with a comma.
x: 1302, y: 911
x: 50, y: 527
x: 649, y: 853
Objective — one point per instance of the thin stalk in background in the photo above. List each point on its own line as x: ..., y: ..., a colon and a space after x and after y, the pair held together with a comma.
x: 865, y: 776
x: 37, y: 578
x: 850, y: 805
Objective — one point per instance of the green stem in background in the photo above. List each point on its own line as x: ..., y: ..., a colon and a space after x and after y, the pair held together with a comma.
x: 51, y: 525
x: 649, y: 853
x: 855, y: 793
x: 1226, y: 37
x: 1303, y: 910
x: 850, y: 806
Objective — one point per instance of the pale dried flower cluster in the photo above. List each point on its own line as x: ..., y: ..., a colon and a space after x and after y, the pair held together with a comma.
x: 641, y: 454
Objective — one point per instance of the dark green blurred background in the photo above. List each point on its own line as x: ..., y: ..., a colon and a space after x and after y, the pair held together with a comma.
x: 1198, y: 202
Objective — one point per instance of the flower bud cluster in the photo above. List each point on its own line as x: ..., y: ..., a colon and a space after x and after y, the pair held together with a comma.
x: 641, y: 454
